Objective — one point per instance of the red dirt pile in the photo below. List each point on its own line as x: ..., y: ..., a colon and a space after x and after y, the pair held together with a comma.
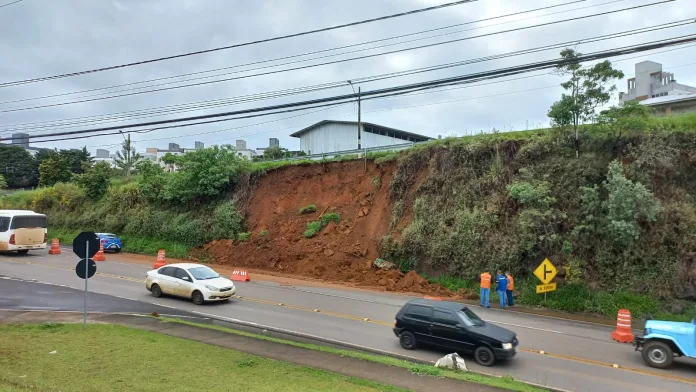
x: 341, y: 252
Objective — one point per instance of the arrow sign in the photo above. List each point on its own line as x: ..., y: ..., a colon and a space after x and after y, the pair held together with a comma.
x: 546, y: 271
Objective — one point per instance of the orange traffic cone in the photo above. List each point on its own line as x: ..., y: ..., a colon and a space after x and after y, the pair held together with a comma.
x: 161, y: 261
x: 100, y: 255
x: 55, y: 247
x: 623, y: 333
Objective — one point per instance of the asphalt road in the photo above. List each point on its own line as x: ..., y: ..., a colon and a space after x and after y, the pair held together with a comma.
x: 577, y: 356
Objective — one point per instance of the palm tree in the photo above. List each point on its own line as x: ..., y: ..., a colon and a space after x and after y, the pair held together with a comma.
x: 127, y: 158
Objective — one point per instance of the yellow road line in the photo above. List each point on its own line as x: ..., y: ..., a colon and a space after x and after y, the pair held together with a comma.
x: 73, y: 269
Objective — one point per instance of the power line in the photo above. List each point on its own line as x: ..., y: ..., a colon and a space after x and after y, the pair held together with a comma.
x: 319, y: 51
x: 381, y: 18
x: 262, y: 96
x: 338, y: 61
x: 375, y: 94
x: 8, y: 4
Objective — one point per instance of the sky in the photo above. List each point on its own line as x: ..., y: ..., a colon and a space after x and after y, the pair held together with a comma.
x: 41, y: 38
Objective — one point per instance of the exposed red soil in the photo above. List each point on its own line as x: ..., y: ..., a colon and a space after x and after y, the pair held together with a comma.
x: 341, y: 252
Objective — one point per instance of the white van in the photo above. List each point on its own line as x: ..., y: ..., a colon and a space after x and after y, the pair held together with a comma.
x: 22, y: 231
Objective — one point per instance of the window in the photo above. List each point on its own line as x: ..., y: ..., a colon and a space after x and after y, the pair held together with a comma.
x: 181, y: 274
x: 469, y: 318
x: 4, y: 223
x: 203, y: 273
x: 445, y: 317
x: 28, y: 222
x: 167, y: 271
x: 418, y: 312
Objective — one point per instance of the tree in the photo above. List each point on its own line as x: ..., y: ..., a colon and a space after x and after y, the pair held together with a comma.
x: 77, y: 159
x: 127, y: 158
x: 273, y: 153
x: 629, y: 116
x: 587, y: 89
x: 95, y: 179
x: 3, y: 183
x: 53, y: 171
x: 18, y: 166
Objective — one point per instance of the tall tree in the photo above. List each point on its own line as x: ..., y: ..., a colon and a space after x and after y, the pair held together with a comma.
x: 127, y: 158
x: 18, y: 166
x: 53, y: 171
x: 77, y: 159
x: 3, y: 183
x: 586, y: 90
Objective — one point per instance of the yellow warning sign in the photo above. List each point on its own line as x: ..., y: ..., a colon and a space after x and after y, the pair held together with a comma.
x: 545, y: 288
x: 545, y: 272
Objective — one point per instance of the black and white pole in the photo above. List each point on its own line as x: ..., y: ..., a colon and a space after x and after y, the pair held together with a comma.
x: 84, y: 322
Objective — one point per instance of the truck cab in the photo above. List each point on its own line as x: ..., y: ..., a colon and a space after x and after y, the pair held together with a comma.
x: 664, y: 340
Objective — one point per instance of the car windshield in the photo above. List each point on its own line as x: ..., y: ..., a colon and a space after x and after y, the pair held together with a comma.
x: 203, y: 273
x: 470, y: 318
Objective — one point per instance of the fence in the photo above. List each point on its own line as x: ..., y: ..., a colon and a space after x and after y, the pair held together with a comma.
x: 329, y: 155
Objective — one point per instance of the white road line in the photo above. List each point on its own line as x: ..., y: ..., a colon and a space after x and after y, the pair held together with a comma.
x: 524, y: 326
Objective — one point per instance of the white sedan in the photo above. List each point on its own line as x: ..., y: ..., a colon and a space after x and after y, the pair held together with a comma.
x: 195, y: 281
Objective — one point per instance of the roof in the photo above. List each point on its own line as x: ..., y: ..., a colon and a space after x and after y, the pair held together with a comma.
x: 185, y: 265
x: 440, y: 304
x: 323, y: 122
x: 669, y: 99
x: 18, y: 212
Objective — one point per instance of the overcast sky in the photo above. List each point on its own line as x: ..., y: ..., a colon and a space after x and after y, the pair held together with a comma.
x: 48, y: 37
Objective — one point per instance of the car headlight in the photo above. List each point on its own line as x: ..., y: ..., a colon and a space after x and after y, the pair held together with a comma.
x: 211, y: 288
x: 507, y: 346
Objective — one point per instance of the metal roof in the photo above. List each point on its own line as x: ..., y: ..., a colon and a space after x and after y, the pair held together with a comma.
x: 668, y: 99
x: 396, y: 131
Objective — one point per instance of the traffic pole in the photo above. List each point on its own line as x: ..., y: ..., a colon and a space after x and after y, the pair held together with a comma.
x: 84, y: 325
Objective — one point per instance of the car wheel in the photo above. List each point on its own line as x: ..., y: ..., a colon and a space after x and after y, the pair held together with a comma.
x: 197, y: 298
x: 23, y: 251
x: 156, y: 291
x: 658, y: 355
x: 484, y: 356
x: 408, y: 340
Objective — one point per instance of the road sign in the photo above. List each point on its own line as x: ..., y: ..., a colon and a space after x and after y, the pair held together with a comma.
x: 91, y: 269
x: 545, y: 288
x: 545, y: 271
x: 80, y: 247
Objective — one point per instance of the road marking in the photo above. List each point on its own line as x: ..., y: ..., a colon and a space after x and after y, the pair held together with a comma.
x: 524, y: 326
x: 73, y: 269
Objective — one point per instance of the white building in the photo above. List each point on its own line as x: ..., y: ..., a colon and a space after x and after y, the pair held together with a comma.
x: 331, y: 136
x: 651, y: 82
x: 156, y: 154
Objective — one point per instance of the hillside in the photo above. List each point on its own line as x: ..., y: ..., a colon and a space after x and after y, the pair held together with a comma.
x: 618, y: 221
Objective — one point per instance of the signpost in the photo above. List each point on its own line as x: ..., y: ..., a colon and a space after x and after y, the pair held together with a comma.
x: 85, y: 246
x: 545, y: 272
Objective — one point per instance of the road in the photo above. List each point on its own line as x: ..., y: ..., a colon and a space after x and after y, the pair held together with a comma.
x: 577, y: 356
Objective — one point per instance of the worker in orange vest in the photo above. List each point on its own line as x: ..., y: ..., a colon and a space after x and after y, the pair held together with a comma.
x: 486, y: 289
x: 510, y: 287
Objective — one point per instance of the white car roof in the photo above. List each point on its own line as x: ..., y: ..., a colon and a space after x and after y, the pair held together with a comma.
x: 185, y: 265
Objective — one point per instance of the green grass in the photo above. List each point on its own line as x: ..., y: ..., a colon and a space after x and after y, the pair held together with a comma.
x: 243, y: 237
x: 506, y: 383
x: 308, y: 209
x: 312, y: 229
x: 131, y: 244
x: 330, y: 217
x: 116, y: 358
x: 263, y: 233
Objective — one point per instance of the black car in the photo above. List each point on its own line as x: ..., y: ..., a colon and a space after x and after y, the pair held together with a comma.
x: 453, y: 326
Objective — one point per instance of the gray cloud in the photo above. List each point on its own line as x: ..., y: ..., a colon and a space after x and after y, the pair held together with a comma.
x: 42, y: 37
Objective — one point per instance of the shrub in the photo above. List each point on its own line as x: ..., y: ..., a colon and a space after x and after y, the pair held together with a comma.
x: 94, y: 180
x: 243, y: 237
x: 263, y: 233
x: 308, y: 209
x: 312, y: 229
x: 228, y: 222
x: 330, y: 217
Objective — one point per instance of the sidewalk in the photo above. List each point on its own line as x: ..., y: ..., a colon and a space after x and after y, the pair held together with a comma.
x: 351, y: 367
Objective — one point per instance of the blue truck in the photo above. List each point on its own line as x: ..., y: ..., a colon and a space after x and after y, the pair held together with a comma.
x: 664, y: 340
x: 111, y: 242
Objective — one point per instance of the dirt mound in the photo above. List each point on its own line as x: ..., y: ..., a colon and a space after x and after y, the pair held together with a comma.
x: 341, y: 252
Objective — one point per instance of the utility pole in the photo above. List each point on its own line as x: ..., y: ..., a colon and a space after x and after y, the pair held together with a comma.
x: 128, y: 158
x: 359, y: 121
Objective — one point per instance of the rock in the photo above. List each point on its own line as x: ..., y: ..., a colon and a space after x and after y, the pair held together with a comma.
x: 363, y: 252
x: 329, y: 252
x: 364, y: 203
x: 384, y: 264
x: 382, y: 282
x: 391, y: 284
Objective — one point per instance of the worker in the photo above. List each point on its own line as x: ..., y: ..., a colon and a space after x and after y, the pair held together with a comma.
x: 486, y: 289
x: 502, y: 287
x: 510, y: 287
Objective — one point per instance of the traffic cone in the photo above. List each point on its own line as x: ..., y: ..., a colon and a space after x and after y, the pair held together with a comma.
x: 161, y: 261
x: 55, y: 247
x: 100, y: 255
x: 623, y: 333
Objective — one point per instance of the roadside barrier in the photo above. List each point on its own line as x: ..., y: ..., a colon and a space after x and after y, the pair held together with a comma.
x: 240, y: 275
x: 623, y: 333
x: 55, y: 247
x: 100, y: 254
x: 161, y: 260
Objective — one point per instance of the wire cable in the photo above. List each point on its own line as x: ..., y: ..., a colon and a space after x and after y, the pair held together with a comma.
x: 8, y: 4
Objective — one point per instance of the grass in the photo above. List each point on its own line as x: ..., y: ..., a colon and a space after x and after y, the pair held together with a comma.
x: 263, y: 233
x: 308, y: 209
x: 506, y: 383
x: 330, y: 217
x: 243, y: 237
x: 117, y: 358
x: 313, y: 229
x: 131, y: 244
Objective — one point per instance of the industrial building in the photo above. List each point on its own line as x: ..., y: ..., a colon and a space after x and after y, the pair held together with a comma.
x: 658, y: 89
x: 331, y: 136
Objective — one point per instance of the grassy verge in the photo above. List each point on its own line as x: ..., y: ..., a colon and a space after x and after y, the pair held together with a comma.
x: 115, y: 358
x: 506, y: 382
x: 131, y: 244
x: 580, y: 299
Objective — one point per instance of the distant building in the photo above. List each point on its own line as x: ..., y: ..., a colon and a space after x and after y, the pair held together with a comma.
x: 103, y: 153
x: 653, y: 87
x: 156, y: 154
x: 330, y: 136
x: 105, y: 156
x: 273, y: 142
x: 22, y: 140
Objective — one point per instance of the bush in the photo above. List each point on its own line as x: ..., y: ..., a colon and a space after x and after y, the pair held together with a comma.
x: 263, y: 233
x: 243, y: 237
x: 228, y: 222
x: 95, y: 180
x: 330, y: 217
x: 308, y: 209
x: 313, y: 229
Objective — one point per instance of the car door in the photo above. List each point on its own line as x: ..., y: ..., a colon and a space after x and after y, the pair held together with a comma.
x: 417, y: 319
x: 447, y: 331
x: 167, y: 281
x: 184, y: 283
